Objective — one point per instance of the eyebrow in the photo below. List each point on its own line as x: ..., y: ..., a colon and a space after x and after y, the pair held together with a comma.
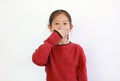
x: 63, y: 21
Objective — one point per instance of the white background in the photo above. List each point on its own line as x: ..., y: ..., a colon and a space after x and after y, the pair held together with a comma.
x: 23, y: 27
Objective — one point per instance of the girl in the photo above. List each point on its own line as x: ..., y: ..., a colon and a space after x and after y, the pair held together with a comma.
x: 63, y: 60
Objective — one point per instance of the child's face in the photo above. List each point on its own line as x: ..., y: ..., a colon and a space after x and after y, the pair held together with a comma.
x: 60, y: 21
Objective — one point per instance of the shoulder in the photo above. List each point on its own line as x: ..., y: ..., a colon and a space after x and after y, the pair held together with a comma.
x: 80, y: 51
x: 78, y: 46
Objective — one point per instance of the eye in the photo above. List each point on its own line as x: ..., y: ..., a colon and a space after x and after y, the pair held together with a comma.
x: 56, y: 23
x: 65, y: 23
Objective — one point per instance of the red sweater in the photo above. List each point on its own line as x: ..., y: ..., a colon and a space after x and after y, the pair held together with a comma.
x: 62, y: 62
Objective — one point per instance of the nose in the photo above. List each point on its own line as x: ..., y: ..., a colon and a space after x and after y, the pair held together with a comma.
x: 61, y: 25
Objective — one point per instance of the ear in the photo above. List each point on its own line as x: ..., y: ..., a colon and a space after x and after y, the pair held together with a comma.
x: 71, y: 27
x: 50, y: 28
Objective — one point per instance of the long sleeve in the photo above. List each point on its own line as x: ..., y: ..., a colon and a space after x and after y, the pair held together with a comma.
x: 41, y: 55
x: 82, y: 70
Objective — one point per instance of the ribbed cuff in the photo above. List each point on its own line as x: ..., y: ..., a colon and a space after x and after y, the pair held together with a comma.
x: 54, y: 38
x: 58, y: 33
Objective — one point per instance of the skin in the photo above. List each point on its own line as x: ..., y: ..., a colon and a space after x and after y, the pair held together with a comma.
x: 63, y: 26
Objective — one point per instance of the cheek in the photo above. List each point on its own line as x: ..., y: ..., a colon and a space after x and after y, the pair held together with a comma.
x: 68, y: 26
x: 52, y: 28
x: 55, y: 27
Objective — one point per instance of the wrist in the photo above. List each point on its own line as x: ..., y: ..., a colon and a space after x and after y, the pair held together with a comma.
x: 58, y: 33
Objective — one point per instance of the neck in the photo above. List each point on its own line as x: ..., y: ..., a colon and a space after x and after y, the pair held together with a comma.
x: 63, y: 41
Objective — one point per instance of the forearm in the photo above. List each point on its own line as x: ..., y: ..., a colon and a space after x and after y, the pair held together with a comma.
x: 41, y: 55
x: 82, y: 69
x: 82, y: 74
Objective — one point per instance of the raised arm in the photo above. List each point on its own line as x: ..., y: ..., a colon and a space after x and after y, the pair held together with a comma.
x: 41, y: 55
